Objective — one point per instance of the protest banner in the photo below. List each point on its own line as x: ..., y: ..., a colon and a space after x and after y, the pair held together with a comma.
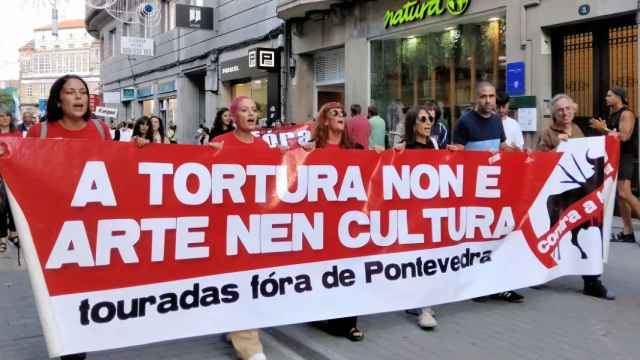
x: 288, y: 136
x: 167, y: 242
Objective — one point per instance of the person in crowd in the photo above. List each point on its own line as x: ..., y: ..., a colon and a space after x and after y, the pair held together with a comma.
x: 158, y: 135
x: 563, y: 110
x: 378, y: 129
x: 125, y: 132
x: 622, y: 123
x: 202, y: 135
x: 7, y: 226
x: 438, y: 130
x: 512, y: 129
x: 244, y: 114
x: 172, y: 133
x: 27, y: 122
x: 331, y: 132
x: 142, y: 130
x: 481, y: 129
x: 222, y: 123
x: 358, y: 127
x: 69, y: 117
x: 419, y: 122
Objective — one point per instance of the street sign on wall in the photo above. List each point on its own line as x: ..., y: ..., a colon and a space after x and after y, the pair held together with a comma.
x: 136, y: 46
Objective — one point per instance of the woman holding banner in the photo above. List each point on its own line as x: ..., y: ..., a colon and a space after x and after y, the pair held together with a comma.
x: 330, y: 132
x: 562, y: 129
x: 418, y: 123
x: 69, y: 117
x: 141, y: 129
x: 243, y: 112
x: 158, y: 136
x: 7, y: 227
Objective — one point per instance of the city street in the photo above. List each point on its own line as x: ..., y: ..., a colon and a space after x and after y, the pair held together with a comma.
x: 555, y: 322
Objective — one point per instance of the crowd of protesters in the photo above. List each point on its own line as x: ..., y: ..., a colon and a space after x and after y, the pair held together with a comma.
x: 487, y: 127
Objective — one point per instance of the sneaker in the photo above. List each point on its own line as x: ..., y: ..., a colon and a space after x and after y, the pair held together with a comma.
x: 426, y: 321
x: 508, y: 296
x: 258, y: 356
x: 597, y: 289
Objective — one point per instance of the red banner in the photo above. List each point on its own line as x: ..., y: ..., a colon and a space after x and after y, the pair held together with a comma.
x: 103, y: 220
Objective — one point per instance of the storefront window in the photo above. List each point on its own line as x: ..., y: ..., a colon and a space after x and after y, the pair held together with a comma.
x: 168, y: 107
x: 257, y: 90
x: 443, y: 67
x: 148, y: 107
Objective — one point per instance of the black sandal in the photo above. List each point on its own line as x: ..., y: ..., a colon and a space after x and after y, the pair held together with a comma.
x: 355, y: 334
x: 3, y: 246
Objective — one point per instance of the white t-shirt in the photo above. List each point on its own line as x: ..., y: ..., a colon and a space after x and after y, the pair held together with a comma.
x: 125, y: 134
x: 513, y: 132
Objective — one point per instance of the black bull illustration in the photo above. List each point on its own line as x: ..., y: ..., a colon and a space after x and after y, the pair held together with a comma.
x: 556, y: 204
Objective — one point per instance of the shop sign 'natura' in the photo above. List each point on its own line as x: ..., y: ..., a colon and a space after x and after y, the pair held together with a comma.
x: 417, y: 10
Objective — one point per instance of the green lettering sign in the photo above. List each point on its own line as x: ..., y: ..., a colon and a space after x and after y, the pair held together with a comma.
x: 415, y: 10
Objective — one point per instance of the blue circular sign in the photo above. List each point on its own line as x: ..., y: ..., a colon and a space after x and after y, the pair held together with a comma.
x: 584, y: 9
x: 148, y: 8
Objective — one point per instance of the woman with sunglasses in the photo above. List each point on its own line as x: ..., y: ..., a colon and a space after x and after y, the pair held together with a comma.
x: 418, y: 123
x: 330, y: 132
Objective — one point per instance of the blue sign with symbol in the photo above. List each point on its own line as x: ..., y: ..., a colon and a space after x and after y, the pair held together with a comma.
x: 584, y: 10
x: 515, y: 79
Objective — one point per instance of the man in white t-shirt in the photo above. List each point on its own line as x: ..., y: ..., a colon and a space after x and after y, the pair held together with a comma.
x: 512, y: 129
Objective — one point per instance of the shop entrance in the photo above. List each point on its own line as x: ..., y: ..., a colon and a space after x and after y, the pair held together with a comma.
x: 329, y: 93
x: 256, y: 89
x: 590, y: 58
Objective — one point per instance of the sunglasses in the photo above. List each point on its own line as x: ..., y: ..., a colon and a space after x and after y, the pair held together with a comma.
x: 423, y: 119
x: 337, y: 112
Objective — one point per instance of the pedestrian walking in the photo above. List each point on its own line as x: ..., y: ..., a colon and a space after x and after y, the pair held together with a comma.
x: 331, y: 132
x: 244, y: 114
x: 69, y: 117
x: 512, y: 129
x: 439, y: 130
x: 358, y: 127
x: 158, y: 136
x: 142, y: 130
x: 378, y: 129
x: 481, y: 129
x: 563, y: 110
x: 622, y: 123
x: 418, y: 127
x: 7, y: 226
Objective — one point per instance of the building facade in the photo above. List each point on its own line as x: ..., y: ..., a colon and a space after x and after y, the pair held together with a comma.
x: 193, y: 72
x: 399, y: 53
x: 48, y: 57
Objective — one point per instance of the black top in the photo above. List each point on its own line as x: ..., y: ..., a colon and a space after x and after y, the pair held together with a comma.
x: 613, y: 123
x: 417, y: 145
x: 479, y: 133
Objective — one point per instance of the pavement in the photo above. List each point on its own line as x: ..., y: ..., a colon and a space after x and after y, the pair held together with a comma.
x: 555, y: 322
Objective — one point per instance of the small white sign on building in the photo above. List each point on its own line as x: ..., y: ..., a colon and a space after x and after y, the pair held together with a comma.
x: 106, y: 112
x: 136, y: 46
x: 111, y: 97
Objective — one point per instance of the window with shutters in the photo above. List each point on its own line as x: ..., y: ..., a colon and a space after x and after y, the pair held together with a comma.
x: 329, y: 67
